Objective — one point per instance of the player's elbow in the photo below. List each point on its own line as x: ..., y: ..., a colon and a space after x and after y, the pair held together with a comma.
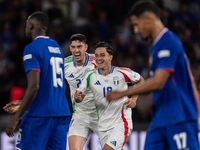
x: 34, y: 88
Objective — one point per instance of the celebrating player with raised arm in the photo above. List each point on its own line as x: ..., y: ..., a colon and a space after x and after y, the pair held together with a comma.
x: 46, y: 112
x: 175, y: 99
x: 115, y: 121
x: 84, y: 119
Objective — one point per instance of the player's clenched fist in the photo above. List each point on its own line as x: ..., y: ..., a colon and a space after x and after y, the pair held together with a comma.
x: 78, y: 96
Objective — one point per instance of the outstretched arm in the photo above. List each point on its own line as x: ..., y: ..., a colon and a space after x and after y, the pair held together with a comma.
x: 30, y: 93
x: 12, y: 106
x: 151, y: 84
x: 131, y: 102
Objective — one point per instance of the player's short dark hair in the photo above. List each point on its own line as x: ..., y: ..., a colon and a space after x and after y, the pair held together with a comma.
x: 41, y: 17
x: 142, y: 6
x: 109, y: 48
x: 78, y: 37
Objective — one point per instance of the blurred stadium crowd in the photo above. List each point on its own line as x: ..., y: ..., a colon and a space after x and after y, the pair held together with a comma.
x: 98, y: 20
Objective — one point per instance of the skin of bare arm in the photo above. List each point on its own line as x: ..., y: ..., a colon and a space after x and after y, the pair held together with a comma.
x: 78, y: 96
x: 30, y: 93
x: 13, y: 106
x: 152, y: 84
x: 131, y: 102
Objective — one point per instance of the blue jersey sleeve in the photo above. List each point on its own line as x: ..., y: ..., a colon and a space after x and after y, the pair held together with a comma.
x: 31, y: 58
x: 166, y: 58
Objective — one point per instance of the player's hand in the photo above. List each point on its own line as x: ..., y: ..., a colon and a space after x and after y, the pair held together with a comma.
x: 13, y: 106
x: 78, y: 96
x: 113, y: 95
x: 131, y: 102
x: 11, y: 127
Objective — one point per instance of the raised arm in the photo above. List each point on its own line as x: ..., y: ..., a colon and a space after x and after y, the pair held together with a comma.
x: 151, y: 84
x: 30, y: 93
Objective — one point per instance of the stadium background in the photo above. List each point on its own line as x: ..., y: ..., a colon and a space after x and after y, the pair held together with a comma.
x: 105, y: 20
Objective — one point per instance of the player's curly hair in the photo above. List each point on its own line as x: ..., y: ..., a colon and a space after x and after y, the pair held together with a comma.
x: 109, y: 48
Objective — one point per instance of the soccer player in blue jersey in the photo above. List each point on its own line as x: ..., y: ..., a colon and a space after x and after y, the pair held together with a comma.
x: 46, y: 112
x: 175, y: 115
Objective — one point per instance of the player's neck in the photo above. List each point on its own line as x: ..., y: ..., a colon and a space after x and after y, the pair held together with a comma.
x: 105, y: 71
x: 157, y: 29
x: 38, y: 33
x: 80, y: 63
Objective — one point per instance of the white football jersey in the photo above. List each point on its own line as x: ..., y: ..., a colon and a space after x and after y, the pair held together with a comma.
x: 74, y: 75
x: 114, y: 112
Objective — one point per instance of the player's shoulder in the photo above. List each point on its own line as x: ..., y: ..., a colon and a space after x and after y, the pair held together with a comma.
x: 91, y: 56
x: 123, y: 69
x: 90, y: 72
x: 68, y: 59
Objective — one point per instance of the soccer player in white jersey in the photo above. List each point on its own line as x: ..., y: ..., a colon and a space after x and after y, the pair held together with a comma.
x: 115, y: 118
x: 84, y: 119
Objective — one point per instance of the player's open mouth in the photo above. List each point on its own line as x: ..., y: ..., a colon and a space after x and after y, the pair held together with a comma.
x: 77, y: 55
x: 99, y: 63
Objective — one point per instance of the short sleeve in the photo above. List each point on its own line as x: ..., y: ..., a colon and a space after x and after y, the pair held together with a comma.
x: 31, y: 58
x: 166, y: 58
x: 129, y: 75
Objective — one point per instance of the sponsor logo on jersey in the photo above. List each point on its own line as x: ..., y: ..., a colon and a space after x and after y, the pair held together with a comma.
x: 116, y: 80
x: 97, y: 83
x: 28, y: 56
x: 113, y: 142
x: 71, y: 76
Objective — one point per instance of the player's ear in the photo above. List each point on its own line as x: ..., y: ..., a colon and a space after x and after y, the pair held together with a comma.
x: 111, y: 57
x: 86, y: 47
x: 32, y: 26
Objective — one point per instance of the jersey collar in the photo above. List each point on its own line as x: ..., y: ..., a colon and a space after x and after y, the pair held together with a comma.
x: 159, y: 36
x: 111, y: 70
x: 41, y: 36
x: 86, y: 60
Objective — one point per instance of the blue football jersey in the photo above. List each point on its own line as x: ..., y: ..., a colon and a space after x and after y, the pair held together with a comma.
x: 45, y: 55
x: 175, y: 102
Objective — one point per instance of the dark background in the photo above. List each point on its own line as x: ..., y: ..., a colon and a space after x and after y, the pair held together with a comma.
x: 99, y: 20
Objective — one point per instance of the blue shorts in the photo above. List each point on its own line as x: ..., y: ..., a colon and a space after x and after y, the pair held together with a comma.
x: 181, y: 136
x: 43, y: 133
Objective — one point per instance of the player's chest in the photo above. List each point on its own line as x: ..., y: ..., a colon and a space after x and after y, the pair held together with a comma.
x: 75, y: 75
x: 103, y: 84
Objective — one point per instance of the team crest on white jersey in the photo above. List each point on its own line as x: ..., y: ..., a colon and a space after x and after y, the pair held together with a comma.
x: 116, y: 80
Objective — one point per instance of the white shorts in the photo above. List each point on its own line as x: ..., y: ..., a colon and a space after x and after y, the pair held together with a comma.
x: 115, y: 137
x: 82, y: 126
